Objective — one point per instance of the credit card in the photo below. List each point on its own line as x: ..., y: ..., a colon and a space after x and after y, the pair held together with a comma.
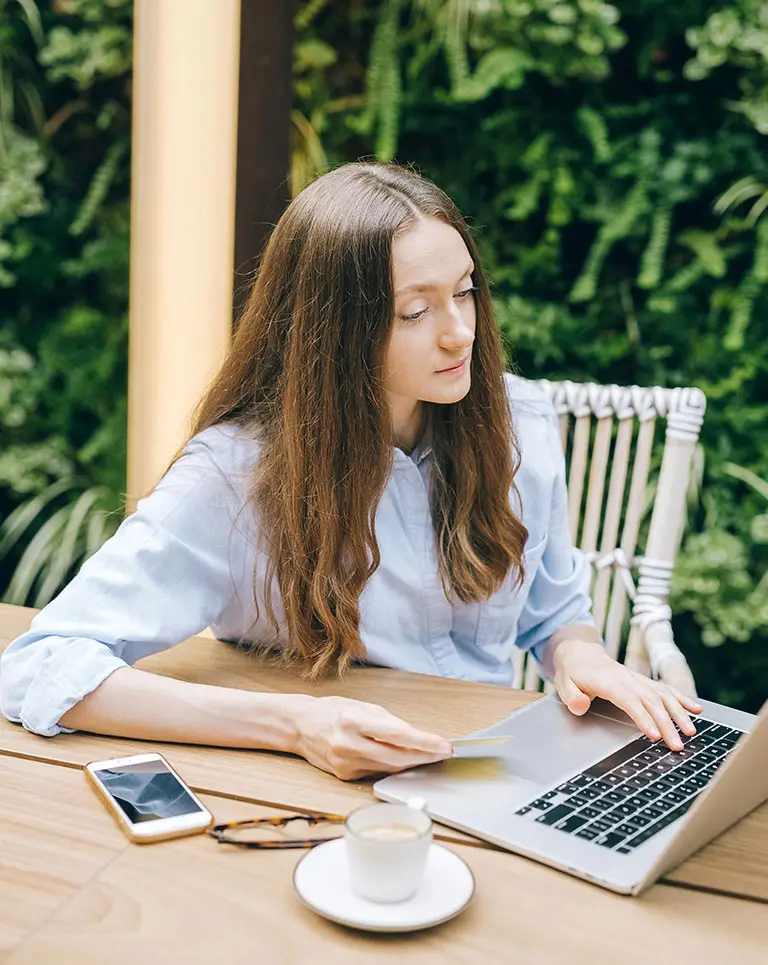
x: 475, y: 741
x: 466, y: 747
x: 475, y: 768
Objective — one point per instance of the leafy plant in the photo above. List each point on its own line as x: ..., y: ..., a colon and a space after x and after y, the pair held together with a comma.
x: 64, y: 222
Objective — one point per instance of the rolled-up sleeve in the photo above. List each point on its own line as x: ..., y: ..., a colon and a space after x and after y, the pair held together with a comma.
x: 560, y: 590
x: 164, y: 576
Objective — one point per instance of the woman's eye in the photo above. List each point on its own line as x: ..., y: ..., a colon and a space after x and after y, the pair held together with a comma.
x: 466, y: 292
x: 415, y: 317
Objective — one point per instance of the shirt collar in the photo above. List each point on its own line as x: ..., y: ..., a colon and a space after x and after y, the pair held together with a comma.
x: 424, y: 445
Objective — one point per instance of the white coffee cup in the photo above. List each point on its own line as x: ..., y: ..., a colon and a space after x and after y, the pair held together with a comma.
x: 387, y: 847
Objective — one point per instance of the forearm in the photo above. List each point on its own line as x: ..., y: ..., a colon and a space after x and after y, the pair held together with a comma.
x: 574, y: 631
x: 138, y: 704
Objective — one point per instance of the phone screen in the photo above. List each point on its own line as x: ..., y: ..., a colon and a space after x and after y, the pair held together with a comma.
x: 146, y: 791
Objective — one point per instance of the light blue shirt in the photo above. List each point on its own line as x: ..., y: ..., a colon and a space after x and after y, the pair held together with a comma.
x: 187, y: 558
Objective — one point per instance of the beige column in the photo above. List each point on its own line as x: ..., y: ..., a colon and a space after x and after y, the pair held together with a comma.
x: 185, y: 93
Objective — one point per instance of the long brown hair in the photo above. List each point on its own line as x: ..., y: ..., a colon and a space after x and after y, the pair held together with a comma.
x: 305, y: 373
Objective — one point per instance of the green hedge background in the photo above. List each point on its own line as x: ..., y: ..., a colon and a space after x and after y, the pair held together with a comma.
x: 611, y: 159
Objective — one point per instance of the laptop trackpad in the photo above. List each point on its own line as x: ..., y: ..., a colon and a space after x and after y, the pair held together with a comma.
x: 550, y: 742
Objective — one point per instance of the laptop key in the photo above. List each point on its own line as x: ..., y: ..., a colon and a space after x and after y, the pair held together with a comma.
x: 652, y: 812
x: 612, y: 779
x: 674, y: 797
x: 600, y: 786
x: 567, y: 788
x: 639, y: 820
x: 707, y: 756
x: 541, y: 805
x: 601, y: 825
x: 624, y: 790
x: 684, y: 755
x: 701, y: 724
x: 626, y: 829
x: 661, y: 786
x: 554, y: 815
x: 571, y: 824
x: 647, y: 757
x: 663, y: 766
x: 587, y: 833
x: 639, y: 801
x: 640, y: 781
x: 580, y: 780
x: 612, y: 818
x: 694, y: 784
x: 719, y: 730
x: 610, y: 839
x: 659, y: 750
x: 522, y: 811
x: 590, y: 813
x: 685, y: 770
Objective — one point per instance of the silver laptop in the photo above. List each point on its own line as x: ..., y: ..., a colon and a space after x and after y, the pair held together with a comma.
x: 592, y: 797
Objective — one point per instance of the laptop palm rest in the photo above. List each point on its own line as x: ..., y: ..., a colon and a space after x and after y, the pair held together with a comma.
x: 550, y: 742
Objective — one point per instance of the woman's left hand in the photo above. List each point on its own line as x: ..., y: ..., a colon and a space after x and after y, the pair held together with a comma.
x: 583, y: 671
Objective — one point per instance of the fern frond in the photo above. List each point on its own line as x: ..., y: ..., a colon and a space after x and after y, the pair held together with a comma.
x: 652, y: 263
x: 66, y: 553
x: 35, y: 557
x: 99, y: 186
x: 383, y: 89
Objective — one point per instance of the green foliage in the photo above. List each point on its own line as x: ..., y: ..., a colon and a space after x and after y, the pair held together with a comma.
x: 613, y: 164
x: 64, y: 223
x: 736, y: 36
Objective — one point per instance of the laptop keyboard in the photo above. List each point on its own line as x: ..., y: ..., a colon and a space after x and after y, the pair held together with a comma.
x: 624, y: 799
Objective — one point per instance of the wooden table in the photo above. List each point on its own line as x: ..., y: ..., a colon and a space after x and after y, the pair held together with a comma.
x: 74, y: 890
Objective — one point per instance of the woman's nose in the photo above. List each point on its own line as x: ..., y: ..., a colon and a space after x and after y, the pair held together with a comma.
x: 459, y: 332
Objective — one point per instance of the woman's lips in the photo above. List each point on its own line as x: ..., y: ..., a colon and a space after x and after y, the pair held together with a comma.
x: 459, y: 367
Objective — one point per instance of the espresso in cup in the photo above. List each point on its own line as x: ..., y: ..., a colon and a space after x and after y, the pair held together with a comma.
x: 387, y: 847
x: 389, y: 832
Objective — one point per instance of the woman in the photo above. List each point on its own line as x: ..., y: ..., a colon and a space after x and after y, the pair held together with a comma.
x: 364, y: 483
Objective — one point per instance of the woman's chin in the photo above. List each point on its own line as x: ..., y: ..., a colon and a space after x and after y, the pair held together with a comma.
x: 453, y: 393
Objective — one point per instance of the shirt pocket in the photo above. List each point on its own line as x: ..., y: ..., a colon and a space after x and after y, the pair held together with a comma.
x: 497, y: 623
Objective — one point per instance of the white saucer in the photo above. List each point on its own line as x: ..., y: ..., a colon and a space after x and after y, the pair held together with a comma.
x: 321, y: 879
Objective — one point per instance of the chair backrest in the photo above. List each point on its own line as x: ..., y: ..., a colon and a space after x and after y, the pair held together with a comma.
x: 607, y: 432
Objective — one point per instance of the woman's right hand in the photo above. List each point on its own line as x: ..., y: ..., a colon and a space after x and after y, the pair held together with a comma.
x: 352, y: 739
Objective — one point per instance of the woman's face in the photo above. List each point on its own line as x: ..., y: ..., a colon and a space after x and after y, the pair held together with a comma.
x: 434, y: 325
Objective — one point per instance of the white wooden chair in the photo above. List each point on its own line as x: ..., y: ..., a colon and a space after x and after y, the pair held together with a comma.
x: 624, y: 420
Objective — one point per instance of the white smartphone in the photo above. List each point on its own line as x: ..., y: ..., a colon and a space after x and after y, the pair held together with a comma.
x: 147, y: 798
